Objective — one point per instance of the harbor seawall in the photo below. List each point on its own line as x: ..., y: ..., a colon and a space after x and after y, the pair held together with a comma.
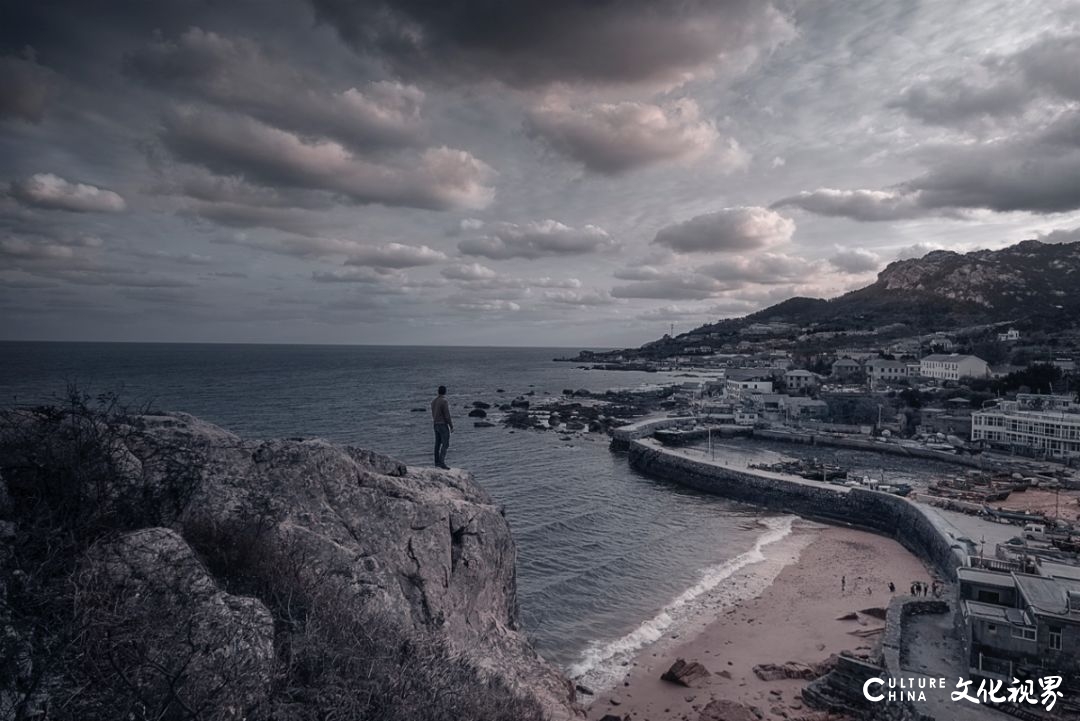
x: 865, y: 444
x: 920, y: 532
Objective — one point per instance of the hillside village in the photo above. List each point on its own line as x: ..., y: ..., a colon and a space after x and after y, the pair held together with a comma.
x: 996, y: 400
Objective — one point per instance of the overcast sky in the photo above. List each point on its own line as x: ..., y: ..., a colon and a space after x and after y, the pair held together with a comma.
x: 537, y: 172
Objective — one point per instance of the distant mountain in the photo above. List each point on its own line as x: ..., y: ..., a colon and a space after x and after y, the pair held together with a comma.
x: 1031, y: 283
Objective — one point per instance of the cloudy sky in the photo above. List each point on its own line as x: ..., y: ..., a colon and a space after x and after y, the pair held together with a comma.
x: 539, y: 172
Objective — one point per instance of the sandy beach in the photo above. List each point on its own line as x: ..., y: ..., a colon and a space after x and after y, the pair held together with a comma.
x: 796, y: 619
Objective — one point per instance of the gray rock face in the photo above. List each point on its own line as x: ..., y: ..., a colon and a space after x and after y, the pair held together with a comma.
x: 426, y: 546
x: 148, y: 598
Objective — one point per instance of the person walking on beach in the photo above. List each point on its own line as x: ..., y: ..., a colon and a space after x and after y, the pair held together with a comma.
x: 843, y: 584
x: 444, y: 426
x: 892, y: 587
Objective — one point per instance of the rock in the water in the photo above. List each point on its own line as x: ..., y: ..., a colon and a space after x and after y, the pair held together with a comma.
x: 519, y: 402
x: 582, y: 688
x: 483, y: 424
x: 685, y: 673
x: 478, y: 413
x: 481, y: 404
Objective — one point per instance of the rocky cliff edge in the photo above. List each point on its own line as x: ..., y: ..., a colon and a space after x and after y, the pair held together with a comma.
x: 425, y: 548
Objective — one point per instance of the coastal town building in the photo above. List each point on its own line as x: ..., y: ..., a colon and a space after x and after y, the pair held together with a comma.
x: 953, y: 367
x: 1020, y: 624
x: 880, y: 369
x: 739, y: 388
x: 1037, y: 424
x: 798, y: 379
x: 846, y: 368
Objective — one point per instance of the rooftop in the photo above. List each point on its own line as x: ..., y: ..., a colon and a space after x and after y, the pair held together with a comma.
x: 950, y: 358
x: 1048, y: 595
x: 1001, y: 614
x: 985, y: 577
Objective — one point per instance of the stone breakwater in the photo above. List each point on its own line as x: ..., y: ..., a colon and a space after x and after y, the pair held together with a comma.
x: 920, y: 531
x: 866, y: 444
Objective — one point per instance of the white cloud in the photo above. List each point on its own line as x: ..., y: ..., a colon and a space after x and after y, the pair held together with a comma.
x: 437, y: 178
x: 865, y: 205
x: 613, y: 138
x: 468, y: 271
x: 395, y: 255
x: 51, y: 192
x: 535, y: 240
x: 727, y: 230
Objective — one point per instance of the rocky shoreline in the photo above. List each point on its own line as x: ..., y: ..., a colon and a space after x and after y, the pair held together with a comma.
x: 258, y: 532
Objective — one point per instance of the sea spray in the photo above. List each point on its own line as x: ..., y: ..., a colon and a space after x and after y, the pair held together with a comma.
x: 600, y: 665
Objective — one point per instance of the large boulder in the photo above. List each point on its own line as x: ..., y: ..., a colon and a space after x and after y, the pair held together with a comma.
x: 685, y: 673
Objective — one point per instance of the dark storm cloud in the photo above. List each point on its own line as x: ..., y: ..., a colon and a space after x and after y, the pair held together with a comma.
x: 612, y: 138
x: 727, y: 230
x: 1003, y: 85
x: 1037, y: 172
x: 1071, y: 235
x: 952, y: 100
x: 500, y: 241
x: 24, y: 89
x: 536, y: 42
x: 437, y: 178
x: 236, y: 73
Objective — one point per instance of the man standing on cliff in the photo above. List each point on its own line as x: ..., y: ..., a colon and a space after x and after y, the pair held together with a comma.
x: 444, y: 426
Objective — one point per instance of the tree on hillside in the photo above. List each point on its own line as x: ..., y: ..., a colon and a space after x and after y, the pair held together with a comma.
x: 1037, y: 378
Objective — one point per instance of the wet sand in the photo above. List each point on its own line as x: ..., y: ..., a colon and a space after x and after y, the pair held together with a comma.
x: 795, y: 619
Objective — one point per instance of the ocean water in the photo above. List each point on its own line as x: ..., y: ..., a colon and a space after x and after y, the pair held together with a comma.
x: 608, y: 560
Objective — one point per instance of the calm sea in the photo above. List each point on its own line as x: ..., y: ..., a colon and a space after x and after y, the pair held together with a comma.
x: 607, y: 560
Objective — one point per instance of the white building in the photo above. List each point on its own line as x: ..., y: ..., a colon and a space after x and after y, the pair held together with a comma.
x: 953, y: 367
x: 1008, y: 336
x: 880, y: 369
x: 739, y: 388
x: 1047, y: 425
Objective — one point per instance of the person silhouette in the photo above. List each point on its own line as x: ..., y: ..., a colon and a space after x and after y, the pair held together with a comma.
x: 444, y: 426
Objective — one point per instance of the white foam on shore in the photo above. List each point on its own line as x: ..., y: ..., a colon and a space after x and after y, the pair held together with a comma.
x: 602, y: 665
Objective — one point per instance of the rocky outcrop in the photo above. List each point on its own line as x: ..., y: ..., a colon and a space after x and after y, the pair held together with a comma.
x: 147, y: 597
x: 419, y: 548
x: 685, y: 673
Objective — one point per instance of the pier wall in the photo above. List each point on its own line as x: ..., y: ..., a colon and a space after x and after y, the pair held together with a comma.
x: 885, y: 513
